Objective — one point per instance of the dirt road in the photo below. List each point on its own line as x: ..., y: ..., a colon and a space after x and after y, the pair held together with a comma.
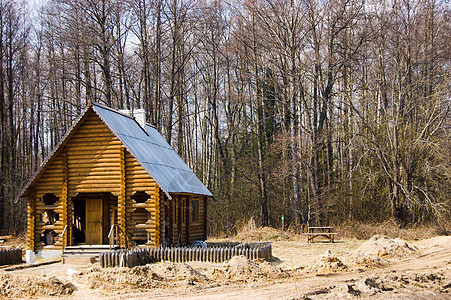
x: 378, y: 269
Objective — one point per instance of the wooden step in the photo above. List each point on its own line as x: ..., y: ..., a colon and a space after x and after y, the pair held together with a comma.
x: 84, y: 254
x: 79, y: 260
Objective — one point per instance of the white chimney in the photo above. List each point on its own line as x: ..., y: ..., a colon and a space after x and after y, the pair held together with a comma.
x: 139, y: 115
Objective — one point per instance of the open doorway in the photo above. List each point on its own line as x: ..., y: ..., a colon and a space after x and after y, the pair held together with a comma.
x: 93, y: 215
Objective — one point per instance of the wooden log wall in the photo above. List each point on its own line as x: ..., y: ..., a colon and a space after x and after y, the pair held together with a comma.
x: 197, y: 229
x: 123, y: 258
x: 183, y: 230
x: 93, y: 159
x: 51, y: 183
x: 139, y: 181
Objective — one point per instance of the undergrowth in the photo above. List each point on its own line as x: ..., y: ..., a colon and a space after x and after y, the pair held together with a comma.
x: 245, y: 231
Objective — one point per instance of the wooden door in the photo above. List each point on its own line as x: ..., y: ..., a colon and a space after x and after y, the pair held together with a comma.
x: 94, y: 212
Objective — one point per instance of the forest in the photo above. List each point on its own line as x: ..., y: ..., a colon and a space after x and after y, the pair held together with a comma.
x: 322, y: 111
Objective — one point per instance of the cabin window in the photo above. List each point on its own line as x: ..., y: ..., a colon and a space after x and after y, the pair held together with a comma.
x: 49, y: 217
x: 183, y: 210
x: 140, y: 216
x: 49, y: 199
x: 140, y: 197
x: 195, y: 211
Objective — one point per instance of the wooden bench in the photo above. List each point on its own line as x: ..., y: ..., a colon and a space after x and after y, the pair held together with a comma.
x: 314, y: 232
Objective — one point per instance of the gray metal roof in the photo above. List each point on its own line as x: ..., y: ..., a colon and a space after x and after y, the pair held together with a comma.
x: 152, y: 151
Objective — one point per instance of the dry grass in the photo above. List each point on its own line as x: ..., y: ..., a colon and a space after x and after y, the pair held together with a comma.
x: 247, y: 231
x: 19, y: 241
x: 363, y: 231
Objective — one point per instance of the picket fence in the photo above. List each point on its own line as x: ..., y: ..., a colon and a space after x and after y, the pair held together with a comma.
x: 131, y: 258
x: 10, y: 256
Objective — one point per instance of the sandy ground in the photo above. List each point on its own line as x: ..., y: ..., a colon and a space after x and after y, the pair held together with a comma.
x: 379, y: 268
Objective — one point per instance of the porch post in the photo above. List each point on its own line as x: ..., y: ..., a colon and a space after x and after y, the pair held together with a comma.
x: 64, y: 198
x: 121, y: 200
x: 157, y: 216
x: 31, y: 219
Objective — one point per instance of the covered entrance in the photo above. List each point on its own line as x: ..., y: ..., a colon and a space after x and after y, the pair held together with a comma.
x: 93, y: 215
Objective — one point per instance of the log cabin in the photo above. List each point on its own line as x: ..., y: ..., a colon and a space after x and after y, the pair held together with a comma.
x: 112, y: 180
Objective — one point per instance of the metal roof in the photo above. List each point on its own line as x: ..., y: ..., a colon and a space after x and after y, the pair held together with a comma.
x: 152, y: 151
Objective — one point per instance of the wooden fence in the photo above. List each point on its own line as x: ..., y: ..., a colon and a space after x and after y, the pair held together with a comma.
x: 10, y: 256
x: 131, y: 258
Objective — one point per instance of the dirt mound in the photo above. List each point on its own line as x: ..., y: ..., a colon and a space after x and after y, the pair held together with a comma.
x: 170, y: 271
x: 327, y: 263
x: 365, y: 261
x: 240, y: 268
x: 383, y: 246
x: 160, y: 275
x: 405, y: 285
x: 26, y: 286
x: 399, y: 283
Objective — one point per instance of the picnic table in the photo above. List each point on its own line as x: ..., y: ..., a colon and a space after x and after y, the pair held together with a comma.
x: 326, y: 232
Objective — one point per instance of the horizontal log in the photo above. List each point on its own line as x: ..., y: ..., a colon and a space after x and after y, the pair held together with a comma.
x: 92, y: 120
x: 93, y: 151
x: 135, y: 168
x: 140, y: 178
x: 82, y: 148
x: 101, y: 170
x: 93, y: 129
x: 41, y: 191
x: 85, y: 178
x: 51, y: 183
x: 143, y: 186
x: 100, y: 138
x: 89, y: 158
x: 142, y: 205
x: 134, y: 181
x: 94, y: 147
x: 94, y: 163
x: 95, y: 189
x: 95, y: 173
x: 51, y: 176
x: 143, y: 226
x: 91, y: 138
x: 53, y: 169
x: 138, y: 174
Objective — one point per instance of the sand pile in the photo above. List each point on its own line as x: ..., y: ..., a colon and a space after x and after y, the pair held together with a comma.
x: 26, y: 286
x: 374, y: 252
x: 159, y: 275
x: 327, y: 263
x: 399, y: 282
x: 365, y: 261
x: 383, y: 246
x: 240, y: 268
x: 404, y: 285
x: 170, y: 271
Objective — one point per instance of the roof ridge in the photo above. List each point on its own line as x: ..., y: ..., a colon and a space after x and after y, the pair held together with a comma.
x: 112, y: 110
